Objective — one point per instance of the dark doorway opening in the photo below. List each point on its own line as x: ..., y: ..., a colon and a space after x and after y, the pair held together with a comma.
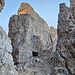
x: 35, y: 54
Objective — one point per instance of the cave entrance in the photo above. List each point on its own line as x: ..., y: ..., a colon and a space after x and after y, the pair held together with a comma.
x: 35, y: 54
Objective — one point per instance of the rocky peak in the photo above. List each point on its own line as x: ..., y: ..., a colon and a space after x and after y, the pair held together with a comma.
x: 25, y: 8
x: 72, y: 4
x: 63, y: 7
x: 64, y: 58
x: 2, y: 3
x: 31, y: 41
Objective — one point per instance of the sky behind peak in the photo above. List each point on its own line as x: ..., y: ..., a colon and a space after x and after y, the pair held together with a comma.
x: 47, y: 9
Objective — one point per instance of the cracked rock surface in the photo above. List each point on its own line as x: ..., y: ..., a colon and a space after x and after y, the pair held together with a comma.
x: 31, y: 41
x: 6, y: 59
x: 64, y: 57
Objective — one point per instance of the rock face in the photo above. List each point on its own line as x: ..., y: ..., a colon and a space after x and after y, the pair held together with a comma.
x: 2, y: 3
x: 64, y: 57
x: 31, y: 41
x: 53, y: 33
x: 72, y: 4
x: 6, y: 59
x: 25, y: 8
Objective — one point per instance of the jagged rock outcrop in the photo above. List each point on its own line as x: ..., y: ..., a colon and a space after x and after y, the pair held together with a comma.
x: 72, y: 4
x: 31, y: 41
x: 6, y: 59
x: 2, y: 3
x: 64, y: 57
x: 53, y: 33
x: 25, y: 8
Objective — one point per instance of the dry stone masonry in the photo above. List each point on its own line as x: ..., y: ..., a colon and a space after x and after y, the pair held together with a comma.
x: 31, y: 41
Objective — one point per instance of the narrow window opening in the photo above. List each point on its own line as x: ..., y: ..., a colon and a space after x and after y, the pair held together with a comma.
x: 35, y: 54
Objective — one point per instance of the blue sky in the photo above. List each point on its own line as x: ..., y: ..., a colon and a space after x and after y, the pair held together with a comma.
x: 47, y: 9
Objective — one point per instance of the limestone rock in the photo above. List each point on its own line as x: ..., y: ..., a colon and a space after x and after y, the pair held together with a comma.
x: 53, y: 33
x: 31, y: 41
x: 25, y: 8
x: 72, y: 3
x: 2, y: 3
x: 64, y: 57
x: 6, y: 59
